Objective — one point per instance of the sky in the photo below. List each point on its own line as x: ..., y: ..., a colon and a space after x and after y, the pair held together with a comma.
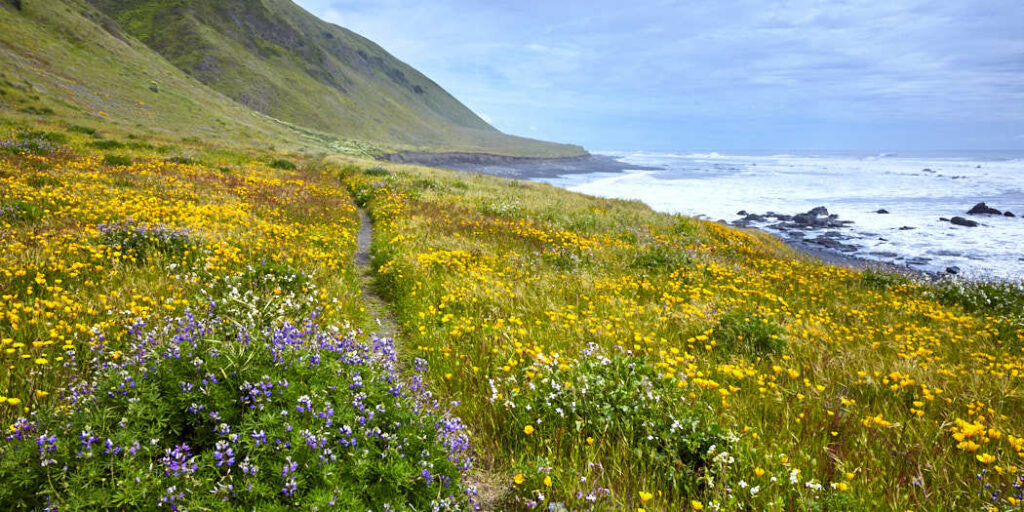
x: 673, y: 75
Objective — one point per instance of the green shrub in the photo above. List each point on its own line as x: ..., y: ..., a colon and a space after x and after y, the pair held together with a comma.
x: 882, y: 280
x: 286, y: 165
x: 750, y: 334
x: 82, y: 129
x: 506, y: 209
x: 54, y: 137
x: 142, y: 241
x: 686, y: 226
x: 37, y: 111
x: 42, y: 180
x: 377, y: 171
x: 33, y: 143
x: 203, y: 415
x: 346, y: 171
x: 20, y: 211
x: 623, y: 401
x: 425, y: 184
x: 117, y: 160
x: 106, y: 144
x: 184, y: 160
x: 658, y: 257
x: 1004, y: 298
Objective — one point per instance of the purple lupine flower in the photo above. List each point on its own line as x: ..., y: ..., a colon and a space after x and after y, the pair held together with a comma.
x: 289, y: 467
x: 47, y: 444
x: 20, y: 428
x: 178, y: 461
x: 305, y: 404
x: 290, y: 487
x: 260, y: 437
x: 223, y: 454
x: 170, y: 497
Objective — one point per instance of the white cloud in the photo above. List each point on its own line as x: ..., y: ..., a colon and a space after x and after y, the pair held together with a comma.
x: 858, y: 63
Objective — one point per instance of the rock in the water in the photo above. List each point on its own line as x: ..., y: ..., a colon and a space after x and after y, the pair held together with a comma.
x: 927, y: 170
x: 983, y: 209
x: 741, y: 213
x: 953, y: 270
x: 906, y: 228
x: 815, y: 218
x: 1008, y: 213
x: 882, y: 211
x: 960, y: 221
x: 944, y: 219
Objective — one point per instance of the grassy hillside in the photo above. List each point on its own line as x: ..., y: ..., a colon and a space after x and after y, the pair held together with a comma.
x: 190, y: 329
x: 70, y: 63
x: 278, y: 59
x: 65, y: 61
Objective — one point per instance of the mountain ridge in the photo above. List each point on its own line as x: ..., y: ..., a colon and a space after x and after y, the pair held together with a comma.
x: 75, y: 61
x: 282, y: 61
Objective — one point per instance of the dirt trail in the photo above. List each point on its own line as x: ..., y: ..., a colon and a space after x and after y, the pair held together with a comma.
x: 375, y: 305
x: 489, y: 488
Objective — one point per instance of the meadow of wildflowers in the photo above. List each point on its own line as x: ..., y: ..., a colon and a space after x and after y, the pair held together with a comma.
x: 184, y: 336
x: 612, y: 358
x: 183, y: 328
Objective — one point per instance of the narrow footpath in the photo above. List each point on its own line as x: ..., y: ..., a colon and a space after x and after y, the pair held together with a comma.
x: 489, y: 489
x: 375, y: 305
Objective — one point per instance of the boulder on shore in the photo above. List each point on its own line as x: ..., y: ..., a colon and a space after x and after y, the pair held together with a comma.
x: 882, y: 211
x: 983, y: 209
x: 1008, y: 213
x: 960, y: 221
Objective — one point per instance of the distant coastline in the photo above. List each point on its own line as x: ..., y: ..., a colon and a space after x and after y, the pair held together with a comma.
x: 527, y: 168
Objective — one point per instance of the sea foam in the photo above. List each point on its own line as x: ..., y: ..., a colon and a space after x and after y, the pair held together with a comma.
x: 916, y: 190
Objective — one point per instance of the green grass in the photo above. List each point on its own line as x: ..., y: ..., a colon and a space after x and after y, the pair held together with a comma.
x: 659, y: 361
x: 232, y: 71
x: 834, y: 389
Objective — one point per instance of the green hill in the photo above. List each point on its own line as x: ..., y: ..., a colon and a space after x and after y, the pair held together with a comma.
x: 256, y: 71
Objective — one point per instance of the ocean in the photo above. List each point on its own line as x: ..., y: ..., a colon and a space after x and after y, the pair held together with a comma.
x: 917, y: 190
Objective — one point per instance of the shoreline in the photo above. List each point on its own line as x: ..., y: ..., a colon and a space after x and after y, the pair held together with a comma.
x: 517, y: 167
x: 535, y: 169
x: 840, y: 259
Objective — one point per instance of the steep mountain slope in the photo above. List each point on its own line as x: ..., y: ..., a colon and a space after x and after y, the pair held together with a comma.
x: 64, y: 61
x: 282, y: 61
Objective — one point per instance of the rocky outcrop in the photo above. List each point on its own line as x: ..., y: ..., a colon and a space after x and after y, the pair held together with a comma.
x: 960, y: 221
x: 983, y: 209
